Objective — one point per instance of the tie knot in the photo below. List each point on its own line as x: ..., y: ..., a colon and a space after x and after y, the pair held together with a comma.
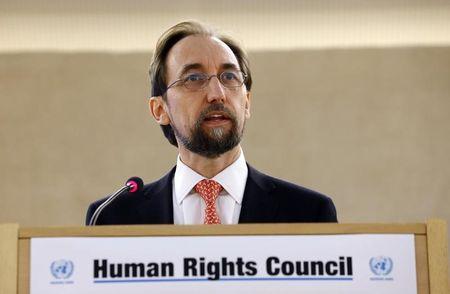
x: 208, y: 190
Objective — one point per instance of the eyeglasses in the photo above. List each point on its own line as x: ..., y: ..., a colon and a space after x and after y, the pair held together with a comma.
x: 197, y: 81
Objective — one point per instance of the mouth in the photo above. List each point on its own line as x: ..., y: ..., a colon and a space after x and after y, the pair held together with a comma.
x: 216, y: 117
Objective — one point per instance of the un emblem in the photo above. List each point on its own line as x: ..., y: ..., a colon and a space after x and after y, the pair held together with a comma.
x: 381, y: 265
x: 62, y: 269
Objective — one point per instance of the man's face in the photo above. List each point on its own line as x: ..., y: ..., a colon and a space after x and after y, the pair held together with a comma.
x: 209, y: 121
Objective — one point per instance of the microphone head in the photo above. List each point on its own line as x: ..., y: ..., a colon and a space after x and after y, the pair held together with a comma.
x: 135, y: 184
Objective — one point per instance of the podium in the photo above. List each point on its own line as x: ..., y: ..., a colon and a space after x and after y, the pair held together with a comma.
x: 430, y: 260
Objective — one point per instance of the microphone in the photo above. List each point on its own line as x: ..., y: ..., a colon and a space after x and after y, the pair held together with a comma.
x: 132, y: 185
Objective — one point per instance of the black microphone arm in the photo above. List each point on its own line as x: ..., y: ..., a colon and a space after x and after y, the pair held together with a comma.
x: 133, y: 185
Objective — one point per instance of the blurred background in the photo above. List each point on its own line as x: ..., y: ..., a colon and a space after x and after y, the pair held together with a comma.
x: 350, y: 98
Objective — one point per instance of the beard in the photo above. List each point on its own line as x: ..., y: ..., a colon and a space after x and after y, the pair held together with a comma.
x: 214, y: 142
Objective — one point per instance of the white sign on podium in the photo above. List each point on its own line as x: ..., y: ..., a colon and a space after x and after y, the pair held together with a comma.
x: 225, y: 264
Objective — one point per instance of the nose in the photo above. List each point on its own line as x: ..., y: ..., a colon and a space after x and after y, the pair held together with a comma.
x: 215, y: 90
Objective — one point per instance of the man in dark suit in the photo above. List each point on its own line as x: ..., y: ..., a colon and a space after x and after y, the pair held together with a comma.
x: 201, y: 85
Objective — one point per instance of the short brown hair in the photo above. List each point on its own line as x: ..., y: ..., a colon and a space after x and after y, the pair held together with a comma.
x: 167, y: 40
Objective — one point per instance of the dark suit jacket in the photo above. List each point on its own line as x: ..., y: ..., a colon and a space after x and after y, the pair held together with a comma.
x: 266, y: 200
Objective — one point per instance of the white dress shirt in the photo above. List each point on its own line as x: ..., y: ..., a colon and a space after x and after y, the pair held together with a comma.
x: 189, y: 207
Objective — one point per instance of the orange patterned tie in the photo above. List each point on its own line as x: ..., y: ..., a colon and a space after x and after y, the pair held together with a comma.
x: 209, y: 190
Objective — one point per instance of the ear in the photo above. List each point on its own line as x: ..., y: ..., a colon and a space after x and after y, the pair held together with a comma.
x: 247, y: 105
x: 157, y: 108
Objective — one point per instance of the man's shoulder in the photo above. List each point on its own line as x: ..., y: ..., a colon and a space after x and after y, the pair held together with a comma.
x: 129, y: 202
x: 147, y: 190
x: 276, y: 184
x: 163, y: 183
x: 294, y: 200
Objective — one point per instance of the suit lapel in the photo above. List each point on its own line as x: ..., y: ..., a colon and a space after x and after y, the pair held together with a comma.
x: 157, y: 207
x: 259, y: 205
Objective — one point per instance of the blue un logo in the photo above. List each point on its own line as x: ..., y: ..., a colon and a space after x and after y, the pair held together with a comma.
x: 61, y: 269
x: 381, y: 265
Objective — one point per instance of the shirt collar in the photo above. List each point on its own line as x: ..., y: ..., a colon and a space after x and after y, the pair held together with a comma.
x: 233, y: 179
